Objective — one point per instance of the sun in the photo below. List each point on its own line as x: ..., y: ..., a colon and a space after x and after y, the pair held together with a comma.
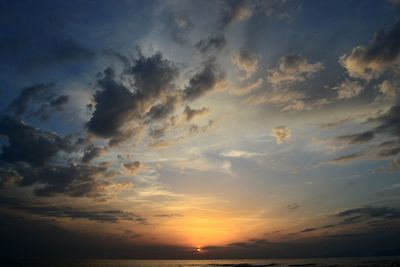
x: 198, y: 250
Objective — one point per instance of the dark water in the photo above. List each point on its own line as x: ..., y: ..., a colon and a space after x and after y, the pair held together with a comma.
x: 331, y: 262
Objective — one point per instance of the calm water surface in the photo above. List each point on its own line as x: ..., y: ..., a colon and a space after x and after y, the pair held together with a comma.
x: 332, y: 262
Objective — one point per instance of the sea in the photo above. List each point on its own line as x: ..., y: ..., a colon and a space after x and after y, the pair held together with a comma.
x: 317, y: 262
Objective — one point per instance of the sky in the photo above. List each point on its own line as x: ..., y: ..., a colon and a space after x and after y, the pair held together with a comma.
x: 199, y: 129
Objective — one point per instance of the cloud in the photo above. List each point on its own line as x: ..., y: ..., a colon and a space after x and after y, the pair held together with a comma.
x: 287, y: 100
x: 158, y: 132
x: 28, y: 144
x: 247, y: 89
x: 153, y: 77
x: 20, y: 105
x: 213, y: 43
x: 132, y: 168
x: 246, y: 62
x: 279, y: 97
x: 348, y: 89
x: 281, y: 134
x: 387, y: 88
x: 307, y: 230
x: 162, y: 110
x: 389, y: 151
x: 384, y: 213
x: 306, y: 104
x: 189, y: 113
x: 358, y: 138
x: 55, y: 105
x: 240, y: 154
x: 159, y: 144
x: 39, y: 101
x: 389, y: 122
x: 179, y: 27
x: 379, y: 55
x: 207, y: 79
x: 71, y: 180
x: 103, y: 216
x: 243, y: 10
x: 8, y: 178
x: 347, y: 158
x: 92, y: 152
x: 195, y: 129
x: 293, y: 206
x: 293, y: 68
x: 393, y: 166
x: 236, y: 10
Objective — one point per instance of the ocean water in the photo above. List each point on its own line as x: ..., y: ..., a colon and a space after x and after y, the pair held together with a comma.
x: 325, y: 262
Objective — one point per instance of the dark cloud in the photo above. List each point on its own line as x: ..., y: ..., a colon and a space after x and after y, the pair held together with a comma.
x: 293, y: 206
x: 384, y: 213
x: 347, y: 158
x: 108, y: 118
x: 8, y: 178
x: 72, y: 180
x: 371, y: 60
x: 20, y: 105
x: 389, y: 122
x: 106, y: 216
x: 204, y: 81
x: 157, y: 132
x: 92, y: 152
x: 38, y: 100
x: 213, y: 43
x: 47, y: 109
x: 153, y: 77
x: 307, y: 230
x: 356, y: 138
x: 132, y: 168
x: 162, y: 110
x: 28, y: 144
x: 376, y: 217
x: 389, y: 151
x: 191, y: 113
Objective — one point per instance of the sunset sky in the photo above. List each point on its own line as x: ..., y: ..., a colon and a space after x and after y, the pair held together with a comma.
x: 199, y: 129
